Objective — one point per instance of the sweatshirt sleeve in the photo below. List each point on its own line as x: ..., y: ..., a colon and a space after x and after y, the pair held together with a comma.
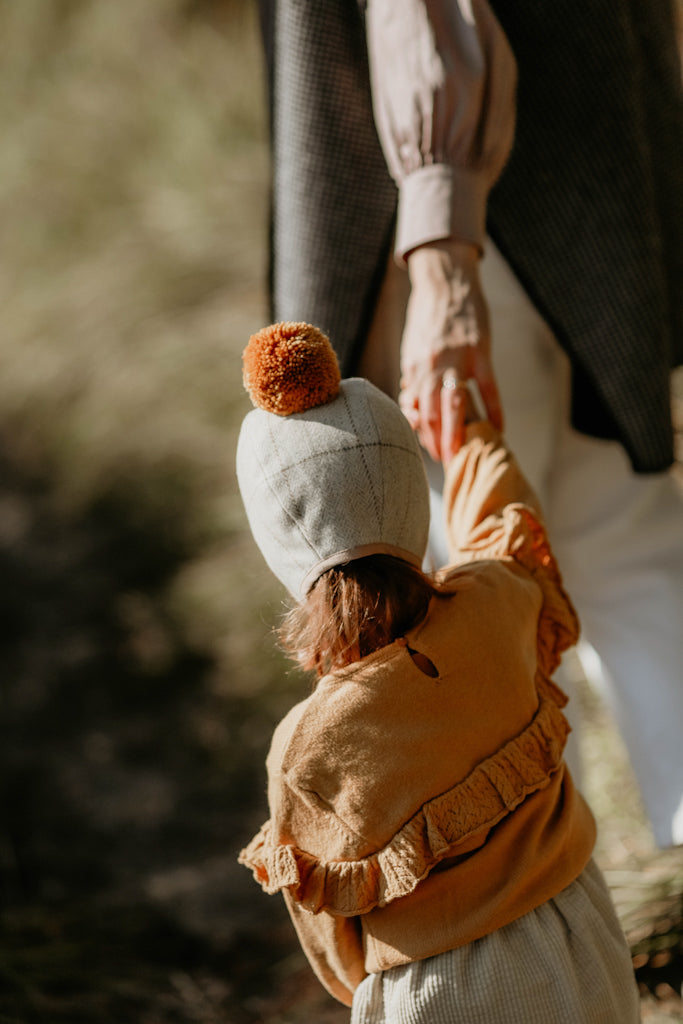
x: 333, y: 946
x: 443, y: 81
x: 290, y: 854
x: 493, y: 513
x: 481, y: 482
x: 332, y: 943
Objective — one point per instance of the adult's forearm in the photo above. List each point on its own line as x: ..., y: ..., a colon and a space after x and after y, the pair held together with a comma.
x: 443, y: 79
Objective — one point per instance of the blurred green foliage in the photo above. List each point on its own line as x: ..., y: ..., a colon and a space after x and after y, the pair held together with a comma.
x: 140, y: 682
x: 133, y: 181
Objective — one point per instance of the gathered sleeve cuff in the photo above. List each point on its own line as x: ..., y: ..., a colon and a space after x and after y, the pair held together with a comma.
x: 492, y: 512
x: 443, y: 83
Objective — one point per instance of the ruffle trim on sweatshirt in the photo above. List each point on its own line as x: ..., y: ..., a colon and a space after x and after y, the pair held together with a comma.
x: 489, y: 793
x: 518, y: 534
x: 558, y: 627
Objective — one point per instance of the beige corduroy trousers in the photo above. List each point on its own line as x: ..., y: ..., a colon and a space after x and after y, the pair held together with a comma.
x: 566, y: 962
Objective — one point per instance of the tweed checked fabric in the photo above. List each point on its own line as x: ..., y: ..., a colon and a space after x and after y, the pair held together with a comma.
x: 336, y: 482
x: 588, y: 211
x: 333, y: 201
x: 566, y: 962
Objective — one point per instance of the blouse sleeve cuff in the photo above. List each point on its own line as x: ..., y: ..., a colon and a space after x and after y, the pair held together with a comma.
x: 438, y: 201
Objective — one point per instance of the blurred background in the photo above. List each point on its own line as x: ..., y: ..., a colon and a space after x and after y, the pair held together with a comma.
x: 139, y: 680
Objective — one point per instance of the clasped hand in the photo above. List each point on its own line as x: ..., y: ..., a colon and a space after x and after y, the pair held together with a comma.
x: 446, y: 341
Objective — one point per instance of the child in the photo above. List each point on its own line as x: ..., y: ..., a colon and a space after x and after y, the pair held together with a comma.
x: 431, y: 848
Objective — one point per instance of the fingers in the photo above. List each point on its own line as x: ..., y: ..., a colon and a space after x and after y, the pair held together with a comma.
x: 454, y: 397
x: 488, y: 389
x: 447, y: 330
x: 429, y: 408
x: 408, y: 403
x: 420, y: 403
x: 491, y: 399
x: 437, y: 411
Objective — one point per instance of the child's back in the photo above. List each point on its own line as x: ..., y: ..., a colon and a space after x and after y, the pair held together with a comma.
x: 422, y: 818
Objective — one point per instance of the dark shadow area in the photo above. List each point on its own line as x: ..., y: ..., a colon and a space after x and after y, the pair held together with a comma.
x: 127, y: 781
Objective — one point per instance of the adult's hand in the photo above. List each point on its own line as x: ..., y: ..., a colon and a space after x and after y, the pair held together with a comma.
x: 446, y: 338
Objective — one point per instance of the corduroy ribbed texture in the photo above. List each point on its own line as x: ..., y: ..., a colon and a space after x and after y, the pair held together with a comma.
x: 566, y: 962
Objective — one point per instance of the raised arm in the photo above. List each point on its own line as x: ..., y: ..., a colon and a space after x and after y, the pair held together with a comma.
x: 492, y: 513
x: 483, y: 485
x: 443, y: 80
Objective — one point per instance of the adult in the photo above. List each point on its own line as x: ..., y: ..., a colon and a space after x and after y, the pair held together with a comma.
x: 582, y: 276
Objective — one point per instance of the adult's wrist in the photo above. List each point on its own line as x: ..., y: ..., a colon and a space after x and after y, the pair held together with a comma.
x: 439, y: 201
x: 441, y: 259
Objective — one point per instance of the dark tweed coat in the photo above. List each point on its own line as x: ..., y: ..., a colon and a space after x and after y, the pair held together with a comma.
x: 588, y: 211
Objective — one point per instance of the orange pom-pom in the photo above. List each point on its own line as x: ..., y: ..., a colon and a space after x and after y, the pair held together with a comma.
x: 290, y: 367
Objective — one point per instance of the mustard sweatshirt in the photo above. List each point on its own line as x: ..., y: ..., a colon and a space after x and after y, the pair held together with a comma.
x: 409, y: 813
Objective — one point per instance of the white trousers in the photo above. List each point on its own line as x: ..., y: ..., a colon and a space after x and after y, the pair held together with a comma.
x: 618, y: 536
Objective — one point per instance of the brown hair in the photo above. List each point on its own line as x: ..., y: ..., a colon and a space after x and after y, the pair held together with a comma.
x: 355, y: 609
